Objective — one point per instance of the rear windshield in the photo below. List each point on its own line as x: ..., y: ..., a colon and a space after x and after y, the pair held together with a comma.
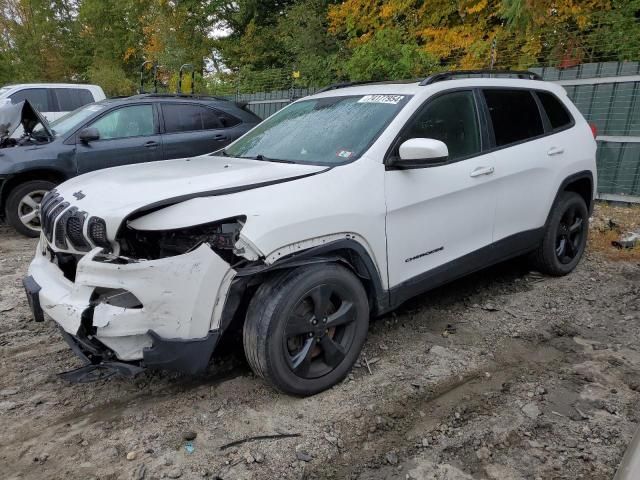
x: 323, y: 131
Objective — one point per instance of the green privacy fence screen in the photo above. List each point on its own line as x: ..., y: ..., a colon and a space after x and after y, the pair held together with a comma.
x: 607, y: 94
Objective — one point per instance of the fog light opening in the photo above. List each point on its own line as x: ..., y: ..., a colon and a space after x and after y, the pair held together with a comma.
x: 115, y: 297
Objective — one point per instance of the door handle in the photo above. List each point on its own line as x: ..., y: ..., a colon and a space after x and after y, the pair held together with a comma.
x: 555, y: 151
x: 219, y: 136
x: 151, y: 144
x: 482, y: 171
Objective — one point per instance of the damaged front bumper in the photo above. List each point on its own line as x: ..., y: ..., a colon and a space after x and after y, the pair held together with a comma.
x: 173, y: 322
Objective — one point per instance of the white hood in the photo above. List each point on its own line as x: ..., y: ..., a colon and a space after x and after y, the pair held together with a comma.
x: 115, y: 193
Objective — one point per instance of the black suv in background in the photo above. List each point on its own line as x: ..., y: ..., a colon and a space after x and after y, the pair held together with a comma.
x: 110, y: 133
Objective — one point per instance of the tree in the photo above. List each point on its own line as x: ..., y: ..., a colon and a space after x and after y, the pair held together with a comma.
x: 386, y: 55
x: 503, y: 33
x: 35, y: 39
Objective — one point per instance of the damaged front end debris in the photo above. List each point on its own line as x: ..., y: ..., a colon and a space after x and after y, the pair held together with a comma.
x: 99, y: 361
x: 155, y: 304
x: 23, y: 114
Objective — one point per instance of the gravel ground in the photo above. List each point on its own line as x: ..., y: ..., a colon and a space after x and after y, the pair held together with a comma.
x: 506, y: 374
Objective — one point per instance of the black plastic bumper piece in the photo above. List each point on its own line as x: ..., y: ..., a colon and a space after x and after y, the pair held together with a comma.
x: 99, y: 371
x: 95, y: 367
x: 32, y: 289
x: 74, y: 345
x: 188, y: 356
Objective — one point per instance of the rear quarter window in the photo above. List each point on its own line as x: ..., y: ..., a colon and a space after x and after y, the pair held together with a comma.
x: 514, y: 114
x: 179, y: 117
x: 557, y: 113
x: 71, y: 98
x: 227, y: 120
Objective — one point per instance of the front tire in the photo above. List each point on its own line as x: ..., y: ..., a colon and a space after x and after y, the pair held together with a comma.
x: 23, y: 204
x: 305, y: 328
x: 565, y: 236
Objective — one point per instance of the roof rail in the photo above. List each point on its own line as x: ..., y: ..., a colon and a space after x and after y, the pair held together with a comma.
x: 335, y: 86
x: 179, y: 95
x: 439, y: 77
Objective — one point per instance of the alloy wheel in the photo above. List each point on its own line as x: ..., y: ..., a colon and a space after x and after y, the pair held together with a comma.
x: 29, y: 209
x: 319, y: 331
x: 569, y: 235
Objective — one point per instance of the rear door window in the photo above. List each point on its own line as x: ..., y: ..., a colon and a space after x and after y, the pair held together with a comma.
x: 38, y: 97
x: 71, y: 98
x: 557, y: 114
x: 189, y: 118
x: 514, y: 114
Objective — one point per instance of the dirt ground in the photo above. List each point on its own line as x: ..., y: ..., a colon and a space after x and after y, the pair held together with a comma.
x: 506, y: 374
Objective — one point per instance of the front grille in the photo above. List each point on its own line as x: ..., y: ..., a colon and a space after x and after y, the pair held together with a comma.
x: 97, y: 232
x: 48, y: 197
x: 75, y: 225
x: 49, y: 203
x: 61, y: 226
x: 64, y: 226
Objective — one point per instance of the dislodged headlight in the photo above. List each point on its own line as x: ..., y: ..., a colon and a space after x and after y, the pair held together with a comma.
x: 221, y: 236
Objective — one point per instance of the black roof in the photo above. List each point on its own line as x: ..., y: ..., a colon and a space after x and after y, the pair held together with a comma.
x: 236, y: 108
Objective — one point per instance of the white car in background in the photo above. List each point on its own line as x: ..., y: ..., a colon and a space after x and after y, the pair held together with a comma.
x: 341, y: 206
x: 52, y: 100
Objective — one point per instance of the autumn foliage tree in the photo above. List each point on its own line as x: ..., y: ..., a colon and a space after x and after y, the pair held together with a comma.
x: 258, y: 44
x: 503, y: 33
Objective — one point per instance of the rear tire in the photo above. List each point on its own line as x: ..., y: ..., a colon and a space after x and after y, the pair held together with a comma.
x: 565, y: 237
x: 23, y: 204
x: 305, y: 328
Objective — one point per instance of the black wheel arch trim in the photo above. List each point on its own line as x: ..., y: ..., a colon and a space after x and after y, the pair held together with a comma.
x: 584, y: 174
x: 347, y: 251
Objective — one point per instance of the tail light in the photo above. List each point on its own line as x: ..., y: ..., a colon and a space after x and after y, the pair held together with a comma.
x: 594, y: 129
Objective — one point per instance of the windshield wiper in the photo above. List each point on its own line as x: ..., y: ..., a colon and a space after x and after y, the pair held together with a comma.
x: 267, y: 159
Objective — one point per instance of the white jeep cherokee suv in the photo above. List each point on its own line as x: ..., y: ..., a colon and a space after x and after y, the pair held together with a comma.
x: 340, y: 206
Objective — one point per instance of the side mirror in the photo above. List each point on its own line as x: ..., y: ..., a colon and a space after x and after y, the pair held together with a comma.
x: 89, y: 135
x: 421, y: 152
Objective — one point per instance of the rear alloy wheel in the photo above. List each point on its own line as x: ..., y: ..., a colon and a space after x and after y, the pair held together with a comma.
x: 23, y: 206
x: 305, y: 328
x: 565, y: 237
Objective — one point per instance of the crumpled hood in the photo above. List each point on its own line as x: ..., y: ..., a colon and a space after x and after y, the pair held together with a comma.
x: 115, y: 193
x: 21, y: 113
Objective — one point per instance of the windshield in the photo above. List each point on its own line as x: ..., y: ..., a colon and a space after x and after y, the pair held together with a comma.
x: 65, y: 123
x: 323, y: 131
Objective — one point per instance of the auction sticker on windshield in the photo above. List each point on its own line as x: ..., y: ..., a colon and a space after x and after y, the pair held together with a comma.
x: 390, y: 99
x: 344, y: 153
